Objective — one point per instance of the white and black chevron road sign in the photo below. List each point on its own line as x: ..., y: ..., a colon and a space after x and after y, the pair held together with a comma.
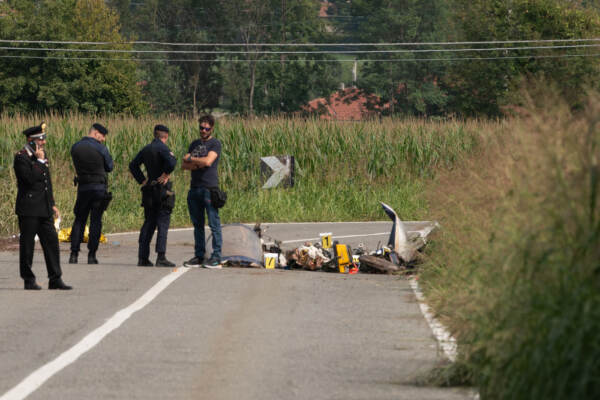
x: 277, y: 170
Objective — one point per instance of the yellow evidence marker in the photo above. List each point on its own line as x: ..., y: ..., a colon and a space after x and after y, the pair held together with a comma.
x: 325, y: 240
x: 270, y: 260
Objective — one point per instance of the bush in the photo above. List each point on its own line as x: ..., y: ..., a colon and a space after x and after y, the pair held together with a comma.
x: 519, y: 282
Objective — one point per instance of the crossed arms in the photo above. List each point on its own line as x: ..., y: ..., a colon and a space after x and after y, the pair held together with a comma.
x: 192, y: 163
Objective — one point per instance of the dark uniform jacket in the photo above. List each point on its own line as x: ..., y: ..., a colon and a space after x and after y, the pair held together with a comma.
x: 92, y: 162
x: 34, y: 196
x: 157, y: 158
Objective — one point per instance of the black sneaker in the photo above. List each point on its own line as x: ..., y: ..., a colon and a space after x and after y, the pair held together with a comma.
x: 163, y: 262
x: 58, y: 284
x: 144, y: 262
x: 92, y: 258
x: 213, y: 263
x: 193, y: 263
x: 32, y: 285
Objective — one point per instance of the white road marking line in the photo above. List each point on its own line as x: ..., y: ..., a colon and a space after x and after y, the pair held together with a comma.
x: 333, y: 237
x: 45, y: 372
x: 270, y: 223
x: 444, y: 338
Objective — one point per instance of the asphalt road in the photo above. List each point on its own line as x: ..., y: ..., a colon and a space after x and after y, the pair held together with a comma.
x: 215, y: 334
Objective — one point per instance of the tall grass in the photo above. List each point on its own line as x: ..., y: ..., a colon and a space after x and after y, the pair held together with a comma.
x: 343, y: 169
x: 516, y: 274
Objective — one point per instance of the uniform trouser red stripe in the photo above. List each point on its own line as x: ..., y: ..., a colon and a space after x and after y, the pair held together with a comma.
x: 44, y: 228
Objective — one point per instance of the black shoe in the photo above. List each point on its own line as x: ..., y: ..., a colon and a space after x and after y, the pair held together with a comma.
x: 32, y: 285
x: 58, y: 284
x: 194, y: 262
x: 92, y: 258
x: 144, y: 262
x: 163, y: 262
x: 73, y: 258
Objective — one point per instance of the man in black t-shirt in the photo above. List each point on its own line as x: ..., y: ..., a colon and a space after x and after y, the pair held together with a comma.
x: 202, y: 160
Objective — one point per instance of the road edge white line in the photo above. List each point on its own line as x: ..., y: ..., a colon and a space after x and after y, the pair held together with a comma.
x: 37, y: 378
x: 446, y: 341
x: 269, y: 223
x: 333, y: 237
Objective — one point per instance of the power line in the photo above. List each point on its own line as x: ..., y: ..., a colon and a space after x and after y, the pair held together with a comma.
x: 462, y: 50
x: 303, y: 44
x: 301, y: 60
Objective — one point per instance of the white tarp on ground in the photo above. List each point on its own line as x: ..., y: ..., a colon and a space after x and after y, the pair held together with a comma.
x: 240, y: 245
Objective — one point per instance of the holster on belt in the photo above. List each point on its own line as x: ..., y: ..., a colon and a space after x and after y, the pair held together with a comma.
x: 106, y: 200
x: 155, y: 195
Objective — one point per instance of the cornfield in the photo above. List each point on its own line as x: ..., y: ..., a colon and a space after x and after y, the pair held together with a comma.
x: 343, y: 169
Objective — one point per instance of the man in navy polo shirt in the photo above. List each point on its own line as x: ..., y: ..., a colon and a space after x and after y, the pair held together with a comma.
x: 92, y: 163
x: 158, y: 198
x: 202, y: 160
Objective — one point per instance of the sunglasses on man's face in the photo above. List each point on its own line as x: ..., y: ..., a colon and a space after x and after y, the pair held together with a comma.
x: 205, y: 129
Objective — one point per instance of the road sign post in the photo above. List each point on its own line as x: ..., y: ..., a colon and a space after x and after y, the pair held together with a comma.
x: 277, y: 171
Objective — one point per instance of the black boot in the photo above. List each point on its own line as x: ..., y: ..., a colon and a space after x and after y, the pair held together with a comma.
x: 73, y: 258
x: 92, y: 258
x: 58, y: 284
x: 32, y: 285
x: 144, y: 262
x: 161, y: 261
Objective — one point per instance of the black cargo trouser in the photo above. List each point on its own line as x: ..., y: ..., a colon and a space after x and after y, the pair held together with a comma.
x: 88, y: 203
x: 154, y: 217
x: 157, y: 214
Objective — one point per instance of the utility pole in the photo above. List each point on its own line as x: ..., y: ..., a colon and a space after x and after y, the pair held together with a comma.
x: 282, y: 58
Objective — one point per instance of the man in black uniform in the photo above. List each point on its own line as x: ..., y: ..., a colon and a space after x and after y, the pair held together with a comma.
x: 35, y: 208
x: 92, y: 163
x: 158, y: 198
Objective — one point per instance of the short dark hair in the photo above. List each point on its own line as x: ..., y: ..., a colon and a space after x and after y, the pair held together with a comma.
x: 100, y: 128
x: 209, y: 119
x: 160, y: 128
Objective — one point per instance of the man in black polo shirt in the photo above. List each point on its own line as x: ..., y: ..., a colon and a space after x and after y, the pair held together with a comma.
x: 202, y: 160
x: 92, y: 163
x: 158, y: 198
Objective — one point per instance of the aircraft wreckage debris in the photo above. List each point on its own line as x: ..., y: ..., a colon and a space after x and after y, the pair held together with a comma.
x: 244, y: 247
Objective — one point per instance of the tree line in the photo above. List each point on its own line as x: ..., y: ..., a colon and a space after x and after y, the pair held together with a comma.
x: 136, y: 72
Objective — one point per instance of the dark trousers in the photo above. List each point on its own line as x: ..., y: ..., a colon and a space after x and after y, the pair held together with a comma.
x: 44, y: 228
x: 198, y: 203
x: 154, y: 218
x: 88, y: 203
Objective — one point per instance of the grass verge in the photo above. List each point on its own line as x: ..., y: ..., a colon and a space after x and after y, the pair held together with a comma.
x: 516, y: 272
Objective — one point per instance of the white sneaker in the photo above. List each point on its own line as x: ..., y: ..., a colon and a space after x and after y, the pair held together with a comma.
x: 212, y: 264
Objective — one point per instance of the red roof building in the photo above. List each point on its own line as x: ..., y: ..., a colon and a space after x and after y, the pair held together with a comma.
x: 323, y: 9
x: 345, y: 105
